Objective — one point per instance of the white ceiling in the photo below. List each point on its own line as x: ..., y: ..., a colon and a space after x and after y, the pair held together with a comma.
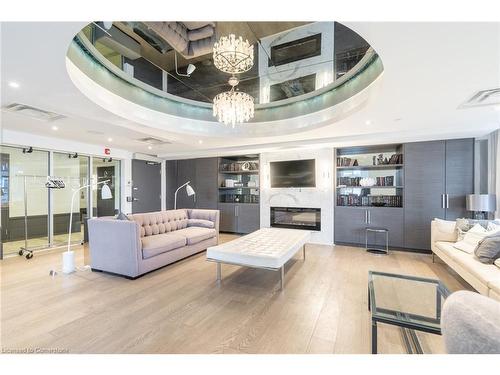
x: 429, y: 70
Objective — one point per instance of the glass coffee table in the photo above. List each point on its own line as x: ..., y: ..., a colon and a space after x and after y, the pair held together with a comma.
x: 409, y: 302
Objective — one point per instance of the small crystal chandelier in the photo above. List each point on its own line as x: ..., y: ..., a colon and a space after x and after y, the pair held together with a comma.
x: 233, y: 107
x: 233, y: 55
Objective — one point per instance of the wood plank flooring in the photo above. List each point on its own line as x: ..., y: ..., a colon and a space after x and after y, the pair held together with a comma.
x: 179, y: 309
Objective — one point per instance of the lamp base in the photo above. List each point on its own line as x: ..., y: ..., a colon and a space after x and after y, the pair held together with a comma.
x: 68, y: 262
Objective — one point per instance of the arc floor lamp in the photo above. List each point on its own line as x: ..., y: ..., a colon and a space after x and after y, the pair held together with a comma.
x: 189, y: 190
x: 69, y: 255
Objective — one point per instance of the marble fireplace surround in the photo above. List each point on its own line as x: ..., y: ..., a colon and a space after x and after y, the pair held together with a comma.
x: 320, y: 196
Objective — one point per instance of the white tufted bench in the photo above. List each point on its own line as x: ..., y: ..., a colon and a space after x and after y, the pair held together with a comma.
x: 267, y: 248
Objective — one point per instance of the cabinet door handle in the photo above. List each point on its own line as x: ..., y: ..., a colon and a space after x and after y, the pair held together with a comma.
x: 442, y: 201
x: 447, y: 201
x: 369, y: 217
x: 236, y: 210
x: 366, y: 216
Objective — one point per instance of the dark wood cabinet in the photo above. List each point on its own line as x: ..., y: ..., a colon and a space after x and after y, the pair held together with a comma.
x: 248, y: 217
x: 390, y: 218
x: 459, y: 180
x: 424, y: 189
x: 438, y: 176
x: 349, y: 225
x: 239, y: 217
x: 228, y: 218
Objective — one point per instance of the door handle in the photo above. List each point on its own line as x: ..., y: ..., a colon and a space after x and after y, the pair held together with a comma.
x: 447, y: 201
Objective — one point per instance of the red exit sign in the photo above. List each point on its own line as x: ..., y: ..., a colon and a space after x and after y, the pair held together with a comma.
x: 107, y: 151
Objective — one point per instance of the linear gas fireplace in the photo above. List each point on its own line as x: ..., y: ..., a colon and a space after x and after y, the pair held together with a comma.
x: 296, y: 218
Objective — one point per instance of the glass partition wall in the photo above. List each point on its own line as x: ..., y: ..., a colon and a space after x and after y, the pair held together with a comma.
x: 36, y: 217
x: 24, y: 198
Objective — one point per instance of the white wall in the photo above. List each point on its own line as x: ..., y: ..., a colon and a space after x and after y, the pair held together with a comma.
x: 319, y: 197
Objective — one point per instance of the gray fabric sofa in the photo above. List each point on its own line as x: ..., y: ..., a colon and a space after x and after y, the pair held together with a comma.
x: 149, y: 241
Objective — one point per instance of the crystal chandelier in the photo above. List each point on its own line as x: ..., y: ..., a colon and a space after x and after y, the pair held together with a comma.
x: 233, y: 55
x: 233, y: 107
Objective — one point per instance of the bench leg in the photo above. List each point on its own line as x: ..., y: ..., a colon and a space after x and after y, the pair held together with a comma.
x: 218, y: 272
x: 282, y: 277
x: 304, y: 252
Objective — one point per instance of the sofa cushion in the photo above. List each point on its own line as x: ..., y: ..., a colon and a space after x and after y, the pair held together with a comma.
x: 200, y: 223
x: 161, y: 243
x: 488, y: 249
x: 153, y: 223
x: 483, y: 272
x: 192, y: 25
x: 194, y: 235
x: 497, y: 263
x: 471, y: 239
x: 494, y: 285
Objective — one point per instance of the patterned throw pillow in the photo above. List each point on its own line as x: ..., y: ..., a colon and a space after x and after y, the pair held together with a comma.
x: 488, y: 249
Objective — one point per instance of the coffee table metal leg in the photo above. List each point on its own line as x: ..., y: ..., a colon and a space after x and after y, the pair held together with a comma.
x: 374, y: 337
x: 282, y: 278
x: 218, y: 272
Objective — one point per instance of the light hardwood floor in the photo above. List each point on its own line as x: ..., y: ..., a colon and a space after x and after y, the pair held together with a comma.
x: 179, y: 309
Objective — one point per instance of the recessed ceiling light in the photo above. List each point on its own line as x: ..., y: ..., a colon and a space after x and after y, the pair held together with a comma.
x: 398, y: 119
x: 55, y: 128
x: 14, y: 85
x: 368, y: 122
x: 150, y: 147
x: 110, y: 139
x: 200, y: 141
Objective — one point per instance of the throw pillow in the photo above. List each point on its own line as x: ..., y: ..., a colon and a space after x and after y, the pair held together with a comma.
x: 471, y: 239
x: 200, y: 223
x: 497, y: 263
x: 492, y: 226
x: 488, y: 249
x: 446, y: 226
x: 122, y: 216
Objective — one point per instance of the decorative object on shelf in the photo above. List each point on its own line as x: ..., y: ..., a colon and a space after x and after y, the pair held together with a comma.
x: 252, y: 184
x: 245, y: 166
x: 189, y: 190
x: 233, y: 107
x: 69, y: 256
x: 229, y: 183
x: 233, y: 55
x: 481, y: 204
x: 367, y: 181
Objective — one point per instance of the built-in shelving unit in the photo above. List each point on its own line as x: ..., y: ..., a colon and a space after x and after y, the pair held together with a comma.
x: 238, y: 180
x: 382, y: 164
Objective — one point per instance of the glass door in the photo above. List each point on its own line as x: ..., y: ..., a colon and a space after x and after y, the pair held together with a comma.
x: 74, y: 171
x: 24, y: 198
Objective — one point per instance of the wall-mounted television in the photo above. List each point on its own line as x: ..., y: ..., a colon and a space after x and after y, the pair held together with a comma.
x: 293, y: 173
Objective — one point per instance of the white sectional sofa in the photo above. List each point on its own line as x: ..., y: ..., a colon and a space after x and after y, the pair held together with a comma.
x: 485, y: 278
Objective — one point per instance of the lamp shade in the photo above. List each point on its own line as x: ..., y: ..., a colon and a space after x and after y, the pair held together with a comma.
x: 481, y: 202
x: 106, y: 192
x: 190, y: 191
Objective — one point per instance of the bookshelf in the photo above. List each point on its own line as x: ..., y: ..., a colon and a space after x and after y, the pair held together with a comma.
x: 238, y: 180
x: 370, y: 176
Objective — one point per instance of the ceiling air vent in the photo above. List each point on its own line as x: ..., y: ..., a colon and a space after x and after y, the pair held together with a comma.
x: 154, y: 141
x: 483, y: 98
x: 33, y: 112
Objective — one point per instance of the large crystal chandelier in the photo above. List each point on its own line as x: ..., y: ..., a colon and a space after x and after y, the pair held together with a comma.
x: 233, y: 107
x: 233, y: 55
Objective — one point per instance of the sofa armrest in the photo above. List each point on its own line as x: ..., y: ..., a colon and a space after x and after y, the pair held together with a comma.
x: 115, y: 246
x: 211, y: 215
x: 442, y: 231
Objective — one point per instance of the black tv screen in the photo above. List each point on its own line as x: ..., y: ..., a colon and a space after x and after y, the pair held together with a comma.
x: 293, y: 173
